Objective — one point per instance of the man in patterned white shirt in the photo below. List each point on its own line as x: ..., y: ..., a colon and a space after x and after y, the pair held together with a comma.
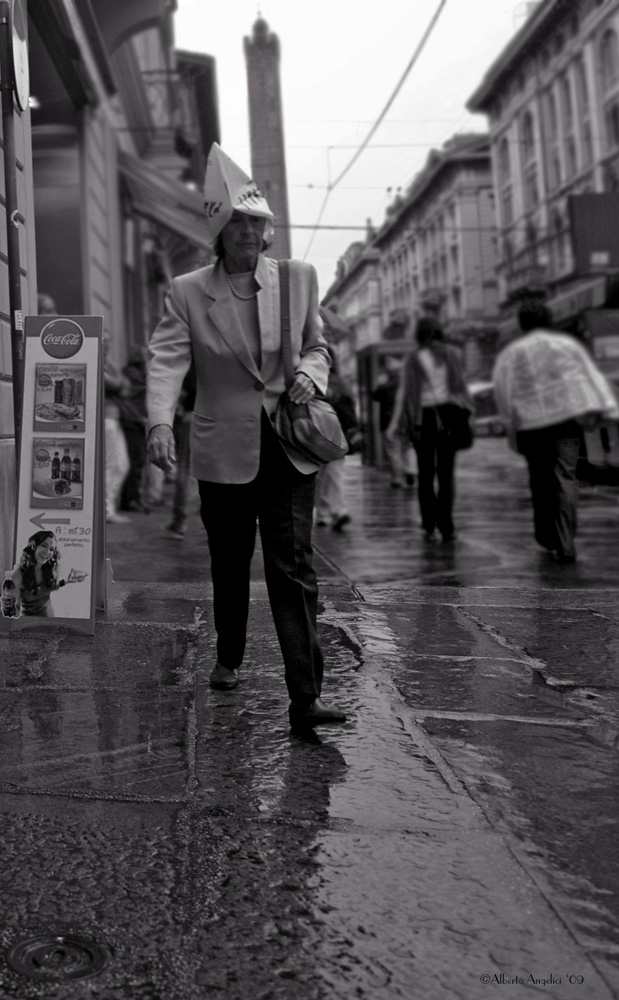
x: 547, y: 390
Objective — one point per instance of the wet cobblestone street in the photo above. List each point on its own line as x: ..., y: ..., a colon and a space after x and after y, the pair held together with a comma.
x: 459, y: 828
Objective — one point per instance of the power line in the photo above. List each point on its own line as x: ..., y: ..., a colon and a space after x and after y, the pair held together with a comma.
x: 380, y: 118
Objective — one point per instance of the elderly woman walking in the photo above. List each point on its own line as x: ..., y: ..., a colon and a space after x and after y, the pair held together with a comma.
x: 432, y: 405
x: 226, y: 318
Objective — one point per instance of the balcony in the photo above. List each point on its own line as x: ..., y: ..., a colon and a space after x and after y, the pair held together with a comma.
x: 529, y: 277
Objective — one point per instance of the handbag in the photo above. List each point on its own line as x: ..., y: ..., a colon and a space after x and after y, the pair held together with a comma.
x: 454, y: 423
x: 312, y: 428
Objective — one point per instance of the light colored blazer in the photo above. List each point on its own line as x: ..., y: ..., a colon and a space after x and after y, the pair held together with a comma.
x: 201, y: 322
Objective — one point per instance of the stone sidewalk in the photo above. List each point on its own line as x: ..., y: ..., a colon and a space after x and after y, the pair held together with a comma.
x: 453, y: 837
x: 210, y: 852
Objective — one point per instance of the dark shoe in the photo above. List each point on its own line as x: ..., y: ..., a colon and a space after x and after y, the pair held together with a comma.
x: 315, y: 714
x: 175, y: 531
x: 410, y: 479
x: 341, y: 522
x: 135, y: 507
x: 223, y: 679
x: 565, y: 557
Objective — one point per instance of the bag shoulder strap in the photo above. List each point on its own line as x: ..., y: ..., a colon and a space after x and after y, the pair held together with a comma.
x: 283, y: 267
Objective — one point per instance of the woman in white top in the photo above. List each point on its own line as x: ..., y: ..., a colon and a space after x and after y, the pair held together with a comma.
x: 432, y: 390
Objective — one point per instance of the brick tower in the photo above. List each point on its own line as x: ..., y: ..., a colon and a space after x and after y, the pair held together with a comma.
x: 266, y: 130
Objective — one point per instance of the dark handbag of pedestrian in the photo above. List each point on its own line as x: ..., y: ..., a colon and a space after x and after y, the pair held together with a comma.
x: 313, y: 428
x: 454, y: 422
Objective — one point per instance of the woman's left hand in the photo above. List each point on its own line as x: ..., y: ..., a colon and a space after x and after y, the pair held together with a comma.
x: 302, y: 389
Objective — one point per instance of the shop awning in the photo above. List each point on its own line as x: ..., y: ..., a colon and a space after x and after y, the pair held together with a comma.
x: 120, y: 20
x: 164, y: 201
x: 589, y: 293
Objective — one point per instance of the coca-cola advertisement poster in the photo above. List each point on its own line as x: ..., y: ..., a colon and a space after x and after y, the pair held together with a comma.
x: 59, y: 398
x: 60, y: 524
x: 57, y: 473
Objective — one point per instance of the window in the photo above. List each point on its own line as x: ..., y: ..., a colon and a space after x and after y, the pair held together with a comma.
x: 569, y: 136
x: 609, y: 60
x: 552, y: 140
x: 505, y: 183
x: 559, y: 239
x: 531, y: 245
x: 529, y: 161
x: 609, y: 72
x: 611, y: 117
x: 584, y: 112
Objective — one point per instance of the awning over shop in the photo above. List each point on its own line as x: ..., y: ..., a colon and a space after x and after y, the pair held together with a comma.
x: 590, y: 293
x: 119, y: 20
x: 164, y: 201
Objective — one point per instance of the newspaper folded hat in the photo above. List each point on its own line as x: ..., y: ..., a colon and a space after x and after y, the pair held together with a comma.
x: 227, y: 188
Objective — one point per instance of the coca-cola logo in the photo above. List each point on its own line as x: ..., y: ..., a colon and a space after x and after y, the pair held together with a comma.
x: 62, y: 338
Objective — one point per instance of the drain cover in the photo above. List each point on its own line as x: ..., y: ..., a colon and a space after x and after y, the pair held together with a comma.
x: 57, y: 957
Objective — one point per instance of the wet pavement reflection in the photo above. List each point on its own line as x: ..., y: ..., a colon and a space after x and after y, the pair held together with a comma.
x: 460, y: 825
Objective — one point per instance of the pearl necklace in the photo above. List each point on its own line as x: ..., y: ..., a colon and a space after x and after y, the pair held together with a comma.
x: 245, y: 298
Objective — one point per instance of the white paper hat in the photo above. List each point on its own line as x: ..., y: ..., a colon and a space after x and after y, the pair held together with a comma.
x: 227, y: 189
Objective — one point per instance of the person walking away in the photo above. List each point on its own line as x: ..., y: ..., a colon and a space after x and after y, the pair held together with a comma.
x: 398, y: 448
x: 225, y: 318
x: 430, y: 401
x: 331, y: 506
x: 548, y: 390
x: 133, y: 419
x: 182, y: 431
x: 116, y: 454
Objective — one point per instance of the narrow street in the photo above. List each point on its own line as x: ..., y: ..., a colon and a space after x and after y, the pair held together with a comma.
x: 454, y: 839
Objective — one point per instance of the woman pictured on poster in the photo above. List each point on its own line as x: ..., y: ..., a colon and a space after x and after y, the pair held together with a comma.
x: 29, y: 586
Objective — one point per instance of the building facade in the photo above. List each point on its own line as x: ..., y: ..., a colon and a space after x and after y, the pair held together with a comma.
x: 437, y: 250
x: 108, y: 172
x: 552, y: 101
x: 266, y: 130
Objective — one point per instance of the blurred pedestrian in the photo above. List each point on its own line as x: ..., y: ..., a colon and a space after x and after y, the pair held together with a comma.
x: 432, y: 405
x: 547, y: 390
x: 398, y: 448
x: 133, y: 419
x: 182, y: 435
x: 46, y: 305
x: 225, y: 318
x: 116, y: 453
x: 331, y: 506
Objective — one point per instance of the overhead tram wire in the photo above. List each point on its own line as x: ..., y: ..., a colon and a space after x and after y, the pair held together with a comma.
x: 331, y: 187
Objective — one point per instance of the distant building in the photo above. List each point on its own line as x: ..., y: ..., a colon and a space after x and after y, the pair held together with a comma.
x: 437, y: 250
x: 434, y: 253
x: 266, y: 130
x: 552, y: 100
x: 356, y: 292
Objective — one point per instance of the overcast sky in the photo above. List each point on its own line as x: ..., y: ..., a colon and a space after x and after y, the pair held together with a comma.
x: 340, y: 62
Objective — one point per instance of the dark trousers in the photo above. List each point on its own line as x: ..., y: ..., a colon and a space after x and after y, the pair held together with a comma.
x: 182, y: 433
x: 435, y: 459
x: 552, y: 455
x: 135, y: 435
x: 282, y: 501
